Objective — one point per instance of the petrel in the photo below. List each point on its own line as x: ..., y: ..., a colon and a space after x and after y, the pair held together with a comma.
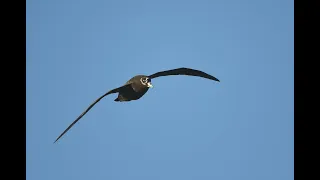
x: 137, y: 86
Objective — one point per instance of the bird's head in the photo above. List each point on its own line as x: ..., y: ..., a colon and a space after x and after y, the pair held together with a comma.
x: 146, y: 81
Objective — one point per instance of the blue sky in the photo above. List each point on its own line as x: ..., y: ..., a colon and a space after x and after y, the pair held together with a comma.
x: 185, y: 127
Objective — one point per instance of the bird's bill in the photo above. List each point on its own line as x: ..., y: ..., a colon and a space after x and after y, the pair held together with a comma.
x: 149, y: 85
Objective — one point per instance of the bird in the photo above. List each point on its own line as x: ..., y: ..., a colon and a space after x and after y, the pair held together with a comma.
x: 138, y: 85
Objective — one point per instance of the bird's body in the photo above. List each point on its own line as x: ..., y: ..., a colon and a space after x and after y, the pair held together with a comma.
x: 137, y: 86
x: 133, y: 92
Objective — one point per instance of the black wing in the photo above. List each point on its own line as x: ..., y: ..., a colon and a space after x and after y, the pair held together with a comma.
x: 110, y: 92
x: 183, y: 71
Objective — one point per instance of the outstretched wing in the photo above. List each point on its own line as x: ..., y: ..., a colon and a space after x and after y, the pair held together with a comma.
x: 183, y: 71
x: 97, y: 100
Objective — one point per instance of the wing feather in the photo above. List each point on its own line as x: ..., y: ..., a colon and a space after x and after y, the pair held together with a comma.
x: 97, y: 100
x: 183, y: 71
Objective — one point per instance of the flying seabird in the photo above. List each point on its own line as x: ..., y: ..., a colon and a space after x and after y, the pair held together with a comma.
x: 137, y: 86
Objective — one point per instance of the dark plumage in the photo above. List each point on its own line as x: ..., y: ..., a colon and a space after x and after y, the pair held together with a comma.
x: 137, y: 86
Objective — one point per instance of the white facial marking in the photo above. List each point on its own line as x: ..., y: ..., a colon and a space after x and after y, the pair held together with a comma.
x: 144, y: 81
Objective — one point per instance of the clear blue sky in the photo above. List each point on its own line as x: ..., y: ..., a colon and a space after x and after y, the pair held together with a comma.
x: 184, y: 128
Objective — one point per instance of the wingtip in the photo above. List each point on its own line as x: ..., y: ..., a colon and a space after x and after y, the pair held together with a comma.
x: 216, y: 79
x: 56, y: 140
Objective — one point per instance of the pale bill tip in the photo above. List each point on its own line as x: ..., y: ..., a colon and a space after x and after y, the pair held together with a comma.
x: 150, y: 85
